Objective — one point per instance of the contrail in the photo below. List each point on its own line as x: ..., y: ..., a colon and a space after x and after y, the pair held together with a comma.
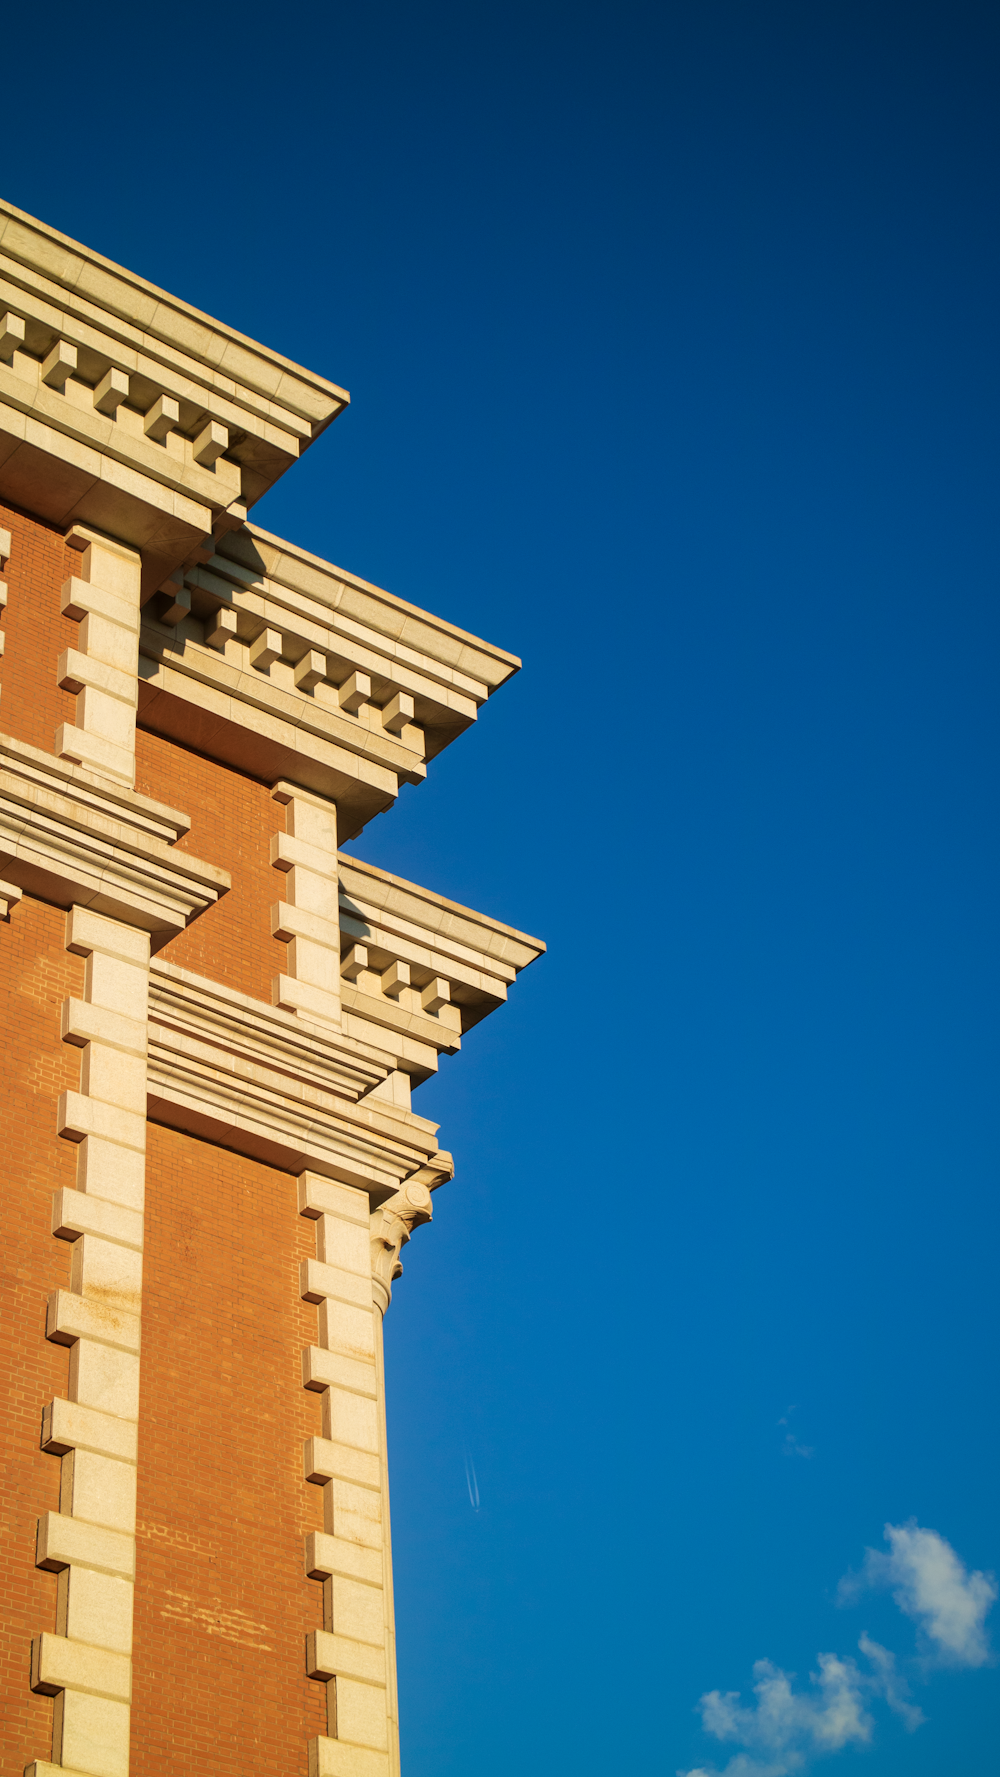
x: 471, y: 1482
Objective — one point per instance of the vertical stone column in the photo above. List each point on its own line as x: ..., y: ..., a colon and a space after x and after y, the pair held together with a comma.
x: 309, y: 920
x: 103, y: 671
x: 90, y: 1541
x: 355, y: 1654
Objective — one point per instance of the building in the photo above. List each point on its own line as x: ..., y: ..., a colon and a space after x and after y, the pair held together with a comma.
x: 214, y: 1020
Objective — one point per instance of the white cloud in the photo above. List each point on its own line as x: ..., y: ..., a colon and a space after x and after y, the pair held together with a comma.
x: 785, y: 1729
x: 786, y: 1726
x: 890, y: 1682
x: 931, y: 1584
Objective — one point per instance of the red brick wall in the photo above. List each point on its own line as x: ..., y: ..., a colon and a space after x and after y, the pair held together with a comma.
x: 222, y: 1604
x: 232, y: 820
x: 36, y: 975
x: 31, y: 703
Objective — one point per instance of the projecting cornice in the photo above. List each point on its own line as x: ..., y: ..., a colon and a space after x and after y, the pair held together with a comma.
x: 75, y: 839
x: 268, y: 659
x: 125, y: 408
x: 273, y: 1086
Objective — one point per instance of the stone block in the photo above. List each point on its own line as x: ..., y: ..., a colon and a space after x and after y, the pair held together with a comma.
x: 317, y: 1281
x: 98, y: 1489
x: 69, y: 1542
x: 104, y: 1169
x: 210, y: 443
x: 106, y: 718
x: 110, y: 643
x: 289, y: 921
x: 329, y: 1555
x: 79, y: 1116
x: 300, y: 996
x: 77, y: 1212
x: 84, y: 1023
x: 108, y: 1272
x: 58, y: 1664
x: 108, y: 1380
x: 353, y: 1514
x: 265, y: 650
x: 221, y: 629
x: 334, y: 1758
x: 95, y: 1608
x: 347, y: 1329
x: 347, y: 1418
x: 313, y: 890
x: 70, y: 1317
x: 59, y: 365
x: 95, y: 754
x: 111, y: 391
x: 11, y: 341
x: 79, y: 598
x: 317, y: 964
x: 334, y: 1656
x: 354, y: 692
x: 122, y: 986
x: 324, y: 1196
x: 91, y: 1734
x: 331, y: 1369
x: 68, y: 1426
x: 399, y: 713
x: 326, y: 1461
x: 356, y: 1610
x: 345, y: 1244
x: 362, y: 1714
x: 310, y: 670
x: 288, y: 849
x: 164, y: 416
x: 75, y: 670
x: 114, y: 1077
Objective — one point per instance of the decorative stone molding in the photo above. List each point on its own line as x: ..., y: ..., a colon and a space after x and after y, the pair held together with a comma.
x: 267, y: 1083
x: 90, y: 1541
x: 72, y: 837
x: 391, y: 1227
x: 124, y: 408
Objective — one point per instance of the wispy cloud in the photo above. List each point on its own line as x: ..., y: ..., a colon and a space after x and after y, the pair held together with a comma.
x: 785, y: 1729
x: 930, y: 1584
x: 791, y: 1445
x: 471, y: 1482
x: 890, y: 1682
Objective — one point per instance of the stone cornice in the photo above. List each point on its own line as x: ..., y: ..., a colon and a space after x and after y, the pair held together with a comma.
x: 70, y: 837
x: 125, y: 408
x: 147, y: 319
x: 249, y: 1077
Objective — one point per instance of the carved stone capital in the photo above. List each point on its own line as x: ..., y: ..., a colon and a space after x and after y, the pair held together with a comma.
x: 392, y: 1224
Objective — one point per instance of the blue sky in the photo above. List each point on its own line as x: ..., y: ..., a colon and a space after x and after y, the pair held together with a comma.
x: 671, y: 332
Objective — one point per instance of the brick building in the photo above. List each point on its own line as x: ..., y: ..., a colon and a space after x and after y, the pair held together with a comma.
x: 213, y: 1021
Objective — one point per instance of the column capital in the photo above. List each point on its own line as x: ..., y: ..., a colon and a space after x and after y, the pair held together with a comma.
x: 392, y: 1224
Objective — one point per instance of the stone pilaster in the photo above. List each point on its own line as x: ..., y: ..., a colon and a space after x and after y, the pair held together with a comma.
x: 308, y: 921
x: 90, y: 1542
x: 103, y: 670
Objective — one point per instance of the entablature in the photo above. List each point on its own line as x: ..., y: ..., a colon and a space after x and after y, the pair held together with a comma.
x: 165, y: 424
x: 271, y: 1085
x: 287, y: 667
x: 71, y: 838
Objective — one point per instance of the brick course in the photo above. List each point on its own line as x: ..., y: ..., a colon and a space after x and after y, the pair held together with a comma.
x: 31, y: 703
x: 222, y: 1603
x: 233, y: 817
